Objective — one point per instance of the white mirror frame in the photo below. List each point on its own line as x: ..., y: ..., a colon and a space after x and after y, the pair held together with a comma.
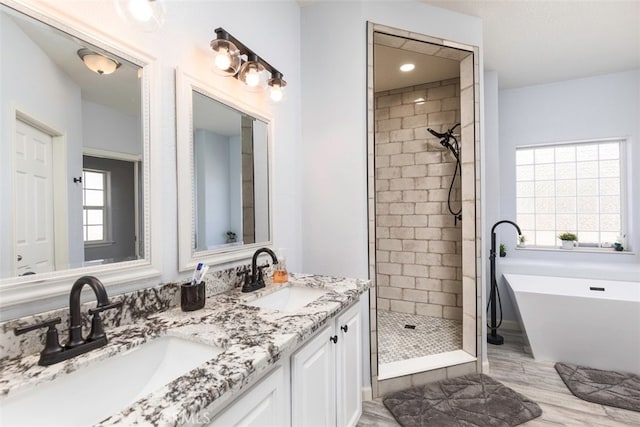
x: 188, y: 258
x: 16, y: 291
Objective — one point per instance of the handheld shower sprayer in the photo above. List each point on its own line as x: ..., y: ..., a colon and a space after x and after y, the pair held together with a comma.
x: 455, y: 150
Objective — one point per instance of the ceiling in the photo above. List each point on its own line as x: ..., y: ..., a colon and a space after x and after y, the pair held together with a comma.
x: 432, y: 62
x: 532, y: 42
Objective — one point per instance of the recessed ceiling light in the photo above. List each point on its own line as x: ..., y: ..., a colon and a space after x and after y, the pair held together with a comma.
x: 407, y: 67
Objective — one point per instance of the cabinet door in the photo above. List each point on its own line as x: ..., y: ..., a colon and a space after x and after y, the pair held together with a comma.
x: 313, y: 395
x: 349, y: 367
x: 263, y: 405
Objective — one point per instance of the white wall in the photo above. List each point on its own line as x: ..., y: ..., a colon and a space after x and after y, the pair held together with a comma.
x: 213, y: 183
x: 111, y: 130
x: 334, y: 123
x: 271, y: 29
x: 596, y: 107
x: 491, y: 177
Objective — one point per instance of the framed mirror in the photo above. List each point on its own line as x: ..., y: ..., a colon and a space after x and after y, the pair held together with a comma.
x: 74, y: 157
x: 223, y: 175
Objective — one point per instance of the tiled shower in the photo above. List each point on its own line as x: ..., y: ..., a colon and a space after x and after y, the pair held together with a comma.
x: 418, y: 241
x: 429, y: 281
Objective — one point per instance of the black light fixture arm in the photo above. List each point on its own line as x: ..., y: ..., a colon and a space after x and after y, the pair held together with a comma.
x: 221, y: 33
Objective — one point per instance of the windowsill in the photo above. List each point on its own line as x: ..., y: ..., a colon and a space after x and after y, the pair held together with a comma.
x: 99, y: 244
x: 580, y: 250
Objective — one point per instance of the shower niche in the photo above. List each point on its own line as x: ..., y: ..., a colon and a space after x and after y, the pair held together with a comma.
x: 423, y: 209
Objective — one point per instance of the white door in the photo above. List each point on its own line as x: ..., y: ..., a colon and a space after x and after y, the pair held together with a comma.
x: 33, y: 201
x: 313, y: 382
x: 349, y: 367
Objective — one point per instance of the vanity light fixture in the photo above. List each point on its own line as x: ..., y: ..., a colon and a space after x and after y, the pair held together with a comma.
x: 233, y: 59
x: 98, y: 63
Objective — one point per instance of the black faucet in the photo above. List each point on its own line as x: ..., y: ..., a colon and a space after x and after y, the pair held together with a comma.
x: 253, y: 279
x: 493, y: 337
x: 53, y: 352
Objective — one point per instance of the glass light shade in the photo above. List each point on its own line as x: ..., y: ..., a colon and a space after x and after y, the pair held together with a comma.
x: 276, y: 87
x: 254, y: 75
x: 226, y: 57
x: 98, y: 63
x: 147, y: 15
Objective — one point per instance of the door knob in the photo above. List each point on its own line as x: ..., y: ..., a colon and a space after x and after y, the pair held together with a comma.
x: 345, y: 328
x: 19, y: 257
x: 334, y: 339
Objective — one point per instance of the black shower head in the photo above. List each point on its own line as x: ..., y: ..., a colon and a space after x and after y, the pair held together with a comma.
x: 437, y: 134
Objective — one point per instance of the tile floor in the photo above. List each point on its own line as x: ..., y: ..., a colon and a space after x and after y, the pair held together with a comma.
x: 536, y: 380
x: 431, y: 335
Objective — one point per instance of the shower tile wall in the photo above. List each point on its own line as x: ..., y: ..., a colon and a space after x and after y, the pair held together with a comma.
x: 418, y: 246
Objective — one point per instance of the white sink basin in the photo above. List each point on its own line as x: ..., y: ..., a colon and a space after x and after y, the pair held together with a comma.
x: 288, y: 299
x: 92, y: 393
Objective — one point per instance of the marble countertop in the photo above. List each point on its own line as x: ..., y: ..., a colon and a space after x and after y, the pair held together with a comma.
x: 253, y: 340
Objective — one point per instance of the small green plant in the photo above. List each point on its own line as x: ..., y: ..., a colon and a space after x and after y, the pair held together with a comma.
x: 568, y: 236
x: 521, y: 239
x: 231, y: 237
x: 503, y: 250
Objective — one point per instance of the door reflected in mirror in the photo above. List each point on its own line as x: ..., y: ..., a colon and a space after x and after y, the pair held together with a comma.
x: 71, y: 157
x: 231, y: 183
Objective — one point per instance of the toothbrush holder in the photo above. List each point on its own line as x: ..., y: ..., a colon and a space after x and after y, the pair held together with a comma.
x: 192, y: 297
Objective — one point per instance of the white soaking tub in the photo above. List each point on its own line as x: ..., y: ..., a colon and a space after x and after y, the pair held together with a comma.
x: 594, y: 323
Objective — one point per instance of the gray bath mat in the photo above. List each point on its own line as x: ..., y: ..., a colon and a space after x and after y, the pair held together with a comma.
x: 471, y: 400
x: 604, y: 387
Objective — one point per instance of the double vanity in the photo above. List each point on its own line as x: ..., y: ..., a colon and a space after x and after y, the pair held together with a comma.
x: 287, y: 353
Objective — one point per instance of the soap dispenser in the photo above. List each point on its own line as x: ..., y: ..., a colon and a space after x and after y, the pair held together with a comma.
x: 280, y: 274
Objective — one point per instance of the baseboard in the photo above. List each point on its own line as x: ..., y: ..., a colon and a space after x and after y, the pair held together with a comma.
x: 486, y: 368
x: 367, y: 393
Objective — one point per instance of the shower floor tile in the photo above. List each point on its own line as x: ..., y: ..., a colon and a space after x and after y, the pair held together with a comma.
x: 431, y: 335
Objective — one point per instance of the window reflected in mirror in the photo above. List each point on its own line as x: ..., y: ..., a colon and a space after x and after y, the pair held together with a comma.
x: 71, y: 156
x: 230, y: 157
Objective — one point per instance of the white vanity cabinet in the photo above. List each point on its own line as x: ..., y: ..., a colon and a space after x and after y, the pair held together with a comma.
x: 266, y: 404
x: 326, y: 375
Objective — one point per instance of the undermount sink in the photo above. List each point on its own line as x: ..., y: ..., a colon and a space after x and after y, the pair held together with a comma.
x: 93, y: 393
x: 288, y: 299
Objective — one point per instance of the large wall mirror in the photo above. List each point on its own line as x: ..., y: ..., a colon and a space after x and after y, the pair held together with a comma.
x: 73, y: 164
x: 223, y: 176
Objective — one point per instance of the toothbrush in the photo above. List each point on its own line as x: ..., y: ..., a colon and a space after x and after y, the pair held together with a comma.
x: 202, y: 273
x: 195, y: 273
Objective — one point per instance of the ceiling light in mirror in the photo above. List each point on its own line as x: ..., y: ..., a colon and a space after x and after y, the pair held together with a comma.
x: 148, y: 15
x: 98, y: 63
x: 407, y: 67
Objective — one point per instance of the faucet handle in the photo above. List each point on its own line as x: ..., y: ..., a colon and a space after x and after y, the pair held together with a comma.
x: 102, y: 308
x: 47, y: 323
x: 52, y: 342
x: 245, y: 274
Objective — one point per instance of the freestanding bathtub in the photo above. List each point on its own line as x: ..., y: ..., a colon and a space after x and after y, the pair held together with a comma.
x: 593, y: 323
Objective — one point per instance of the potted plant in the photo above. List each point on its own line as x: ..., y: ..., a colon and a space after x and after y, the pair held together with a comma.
x: 503, y: 250
x: 231, y: 237
x: 521, y: 240
x: 568, y: 240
